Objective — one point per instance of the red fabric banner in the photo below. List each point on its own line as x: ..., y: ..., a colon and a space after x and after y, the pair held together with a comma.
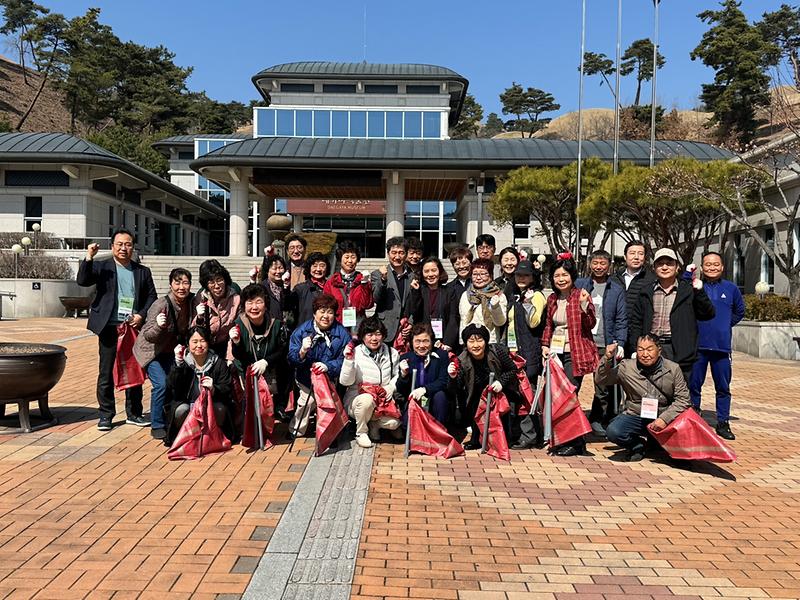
x: 384, y: 405
x: 428, y: 436
x: 200, y: 434
x: 249, y: 435
x: 401, y: 344
x: 498, y: 444
x: 525, y: 389
x: 689, y: 437
x: 127, y: 371
x: 569, y: 421
x: 331, y: 416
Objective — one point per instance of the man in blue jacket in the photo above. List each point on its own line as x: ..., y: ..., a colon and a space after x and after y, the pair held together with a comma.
x: 714, y: 340
x: 317, y: 344
x: 608, y: 297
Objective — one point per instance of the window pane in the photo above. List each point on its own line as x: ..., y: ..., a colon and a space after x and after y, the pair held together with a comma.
x: 431, y: 125
x: 375, y: 223
x: 413, y: 124
x: 411, y: 225
x: 430, y: 223
x: 322, y: 123
x: 375, y: 122
x: 304, y: 88
x: 413, y: 207
x: 285, y: 122
x: 430, y: 207
x: 422, y: 89
x: 303, y: 123
x: 280, y: 206
x: 449, y: 208
x: 339, y: 88
x: 202, y: 183
x: 266, y: 121
x: 215, y: 145
x: 358, y: 123
x: 339, y: 126
x: 33, y: 206
x: 394, y: 124
x: 202, y: 147
x: 380, y: 89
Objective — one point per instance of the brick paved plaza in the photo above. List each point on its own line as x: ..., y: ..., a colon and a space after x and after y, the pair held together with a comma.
x: 85, y: 514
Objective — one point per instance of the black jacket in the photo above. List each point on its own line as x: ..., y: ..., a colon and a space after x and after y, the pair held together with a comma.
x: 301, y: 300
x: 103, y: 275
x: 644, y: 278
x: 690, y: 306
x: 446, y: 309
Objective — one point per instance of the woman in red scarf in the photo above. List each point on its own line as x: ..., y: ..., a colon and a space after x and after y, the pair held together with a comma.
x: 352, y: 290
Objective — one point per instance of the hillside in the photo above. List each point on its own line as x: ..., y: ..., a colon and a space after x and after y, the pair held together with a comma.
x: 49, y: 114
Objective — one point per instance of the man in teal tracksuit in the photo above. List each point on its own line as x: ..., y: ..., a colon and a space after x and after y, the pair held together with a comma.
x: 714, y: 340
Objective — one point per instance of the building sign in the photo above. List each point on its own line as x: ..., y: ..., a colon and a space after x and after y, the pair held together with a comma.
x: 342, y: 207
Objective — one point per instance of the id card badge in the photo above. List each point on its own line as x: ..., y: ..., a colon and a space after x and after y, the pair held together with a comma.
x: 438, y: 328
x: 649, y: 408
x: 125, y: 308
x: 598, y: 309
x: 557, y: 343
x: 511, y: 339
x: 349, y: 317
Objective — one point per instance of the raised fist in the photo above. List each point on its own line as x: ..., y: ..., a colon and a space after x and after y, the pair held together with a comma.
x: 452, y: 370
x: 384, y: 271
x: 180, y: 349
x: 201, y: 309
x: 585, y: 297
x: 350, y: 351
x: 161, y: 319
x: 92, y: 250
x: 287, y: 276
x: 365, y: 276
x: 528, y: 295
x: 269, y: 250
x: 253, y: 274
x: 697, y: 284
x: 319, y: 367
x: 404, y: 367
x: 495, y: 300
x: 235, y: 334
x: 415, y: 284
x: 306, y: 344
x: 207, y: 382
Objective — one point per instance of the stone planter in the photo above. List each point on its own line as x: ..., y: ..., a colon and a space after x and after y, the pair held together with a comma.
x: 767, y: 340
x: 28, y: 302
x: 29, y: 372
x: 279, y: 226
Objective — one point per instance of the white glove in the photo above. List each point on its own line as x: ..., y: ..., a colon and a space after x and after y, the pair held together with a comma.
x: 235, y: 334
x: 497, y: 387
x: 528, y: 295
x: 287, y: 276
x: 365, y: 275
x: 207, y: 382
x: 452, y: 370
x: 201, y: 309
x: 404, y: 366
x: 320, y: 367
x: 691, y: 268
x: 633, y: 356
x: 253, y: 274
x: 418, y: 393
x: 180, y: 349
x: 260, y: 367
x: 697, y: 284
x: 495, y: 300
x: 269, y: 250
x: 620, y: 353
x: 161, y: 320
x: 306, y: 344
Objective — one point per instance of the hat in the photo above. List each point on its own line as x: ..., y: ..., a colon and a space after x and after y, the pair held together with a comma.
x: 473, y: 329
x: 666, y: 253
x: 524, y: 268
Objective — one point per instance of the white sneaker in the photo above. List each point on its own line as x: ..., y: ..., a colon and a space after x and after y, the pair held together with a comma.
x: 362, y: 439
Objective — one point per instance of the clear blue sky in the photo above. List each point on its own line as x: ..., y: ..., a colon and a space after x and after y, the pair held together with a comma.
x: 534, y: 42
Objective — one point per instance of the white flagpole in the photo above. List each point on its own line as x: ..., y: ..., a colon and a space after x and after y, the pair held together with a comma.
x: 580, y: 132
x: 653, y: 99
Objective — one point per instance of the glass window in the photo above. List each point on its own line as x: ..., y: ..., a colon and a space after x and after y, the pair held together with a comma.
x: 215, y: 145
x: 375, y: 124
x: 202, y: 147
x: 322, y: 123
x: 380, y: 89
x: 33, y: 207
x: 202, y: 183
x: 422, y: 89
x: 305, y: 88
x: 449, y: 208
x: 430, y: 207
x: 339, y: 124
x: 413, y: 207
x: 375, y: 223
x: 358, y: 124
x: 430, y: 223
x: 413, y: 124
x: 411, y: 224
x: 280, y: 206
x: 339, y: 88
x: 285, y: 122
x: 266, y: 121
x: 303, y: 123
x: 431, y: 125
x: 394, y: 124
x: 450, y: 226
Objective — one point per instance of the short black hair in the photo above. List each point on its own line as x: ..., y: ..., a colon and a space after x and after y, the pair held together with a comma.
x: 415, y: 243
x: 122, y: 231
x: 568, y: 265
x: 507, y: 250
x: 709, y: 253
x: 267, y: 263
x: 180, y: 272
x: 460, y: 252
x: 397, y: 241
x: 211, y: 269
x: 254, y: 290
x: 600, y: 254
x: 473, y: 329
x: 347, y: 246
x: 632, y: 243
x: 295, y: 237
x: 316, y: 257
x: 200, y: 329
x: 485, y: 238
x: 371, y: 325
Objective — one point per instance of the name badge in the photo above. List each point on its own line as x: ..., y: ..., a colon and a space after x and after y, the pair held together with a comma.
x: 438, y: 328
x: 125, y: 308
x: 649, y: 408
x: 598, y: 309
x: 557, y: 343
x: 349, y: 317
x: 511, y: 338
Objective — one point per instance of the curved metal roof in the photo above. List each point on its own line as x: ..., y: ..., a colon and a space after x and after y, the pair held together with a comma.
x: 62, y: 148
x: 319, y: 69
x: 439, y: 154
x: 188, y: 140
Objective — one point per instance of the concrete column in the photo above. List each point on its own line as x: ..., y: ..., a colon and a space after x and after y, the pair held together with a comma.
x: 265, y: 208
x: 395, y: 205
x: 239, y: 226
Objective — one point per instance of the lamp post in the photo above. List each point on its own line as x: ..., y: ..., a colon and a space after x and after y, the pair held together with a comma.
x: 762, y: 289
x: 36, y: 228
x: 17, y: 250
x: 26, y: 245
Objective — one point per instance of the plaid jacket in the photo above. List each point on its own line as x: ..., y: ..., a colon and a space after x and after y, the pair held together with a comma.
x: 579, y: 326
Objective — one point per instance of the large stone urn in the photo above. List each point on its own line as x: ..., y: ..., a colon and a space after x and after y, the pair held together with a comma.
x: 28, y: 372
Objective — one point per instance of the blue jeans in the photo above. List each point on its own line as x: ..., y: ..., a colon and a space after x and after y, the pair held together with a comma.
x: 157, y: 372
x: 721, y: 372
x: 628, y: 431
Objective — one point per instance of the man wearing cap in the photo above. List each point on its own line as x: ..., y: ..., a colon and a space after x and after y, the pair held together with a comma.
x: 669, y: 310
x: 610, y: 307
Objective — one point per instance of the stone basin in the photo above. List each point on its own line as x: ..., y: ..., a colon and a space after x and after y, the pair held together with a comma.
x: 28, y: 372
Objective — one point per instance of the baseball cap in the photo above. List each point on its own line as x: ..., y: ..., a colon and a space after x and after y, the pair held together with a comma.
x: 524, y: 268
x: 666, y: 253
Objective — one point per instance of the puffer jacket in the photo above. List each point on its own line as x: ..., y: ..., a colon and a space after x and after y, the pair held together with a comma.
x: 320, y: 351
x: 382, y: 370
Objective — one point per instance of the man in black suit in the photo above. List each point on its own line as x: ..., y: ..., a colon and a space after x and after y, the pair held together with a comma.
x: 124, y: 292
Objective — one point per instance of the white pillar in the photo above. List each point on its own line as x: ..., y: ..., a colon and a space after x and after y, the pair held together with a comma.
x: 239, y: 227
x: 265, y: 208
x: 395, y: 205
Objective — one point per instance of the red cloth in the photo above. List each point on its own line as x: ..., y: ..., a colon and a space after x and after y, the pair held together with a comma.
x: 579, y: 328
x: 569, y: 421
x: 689, y: 437
x: 384, y: 405
x: 249, y: 435
x: 128, y: 372
x: 360, y: 296
x: 331, y: 416
x: 401, y: 344
x: 428, y: 436
x: 498, y: 444
x: 525, y: 389
x: 199, y: 434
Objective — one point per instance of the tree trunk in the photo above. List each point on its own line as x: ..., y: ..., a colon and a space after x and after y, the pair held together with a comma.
x: 24, y: 117
x: 794, y: 287
x: 22, y: 60
x: 638, y: 91
x: 795, y: 68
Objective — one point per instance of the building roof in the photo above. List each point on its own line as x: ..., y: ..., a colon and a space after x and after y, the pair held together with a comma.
x: 188, y: 140
x: 439, y: 154
x: 62, y: 148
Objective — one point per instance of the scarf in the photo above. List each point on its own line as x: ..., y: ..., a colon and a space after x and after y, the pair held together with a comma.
x: 652, y: 369
x: 481, y: 298
x: 276, y: 289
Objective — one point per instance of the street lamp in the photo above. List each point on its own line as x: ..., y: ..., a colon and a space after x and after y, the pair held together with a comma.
x: 762, y: 289
x: 17, y: 250
x: 36, y: 228
x: 26, y: 244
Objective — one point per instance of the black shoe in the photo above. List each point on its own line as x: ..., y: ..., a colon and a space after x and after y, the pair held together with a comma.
x: 724, y: 431
x: 570, y: 450
x: 137, y: 420
x: 104, y: 424
x: 635, y: 455
x: 472, y: 445
x: 158, y: 433
x: 523, y: 445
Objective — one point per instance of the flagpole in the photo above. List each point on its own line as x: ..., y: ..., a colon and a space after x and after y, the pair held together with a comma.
x: 580, y: 133
x: 617, y: 88
x: 653, y: 99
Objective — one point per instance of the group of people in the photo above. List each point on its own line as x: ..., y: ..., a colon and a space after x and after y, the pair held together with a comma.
x: 404, y: 331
